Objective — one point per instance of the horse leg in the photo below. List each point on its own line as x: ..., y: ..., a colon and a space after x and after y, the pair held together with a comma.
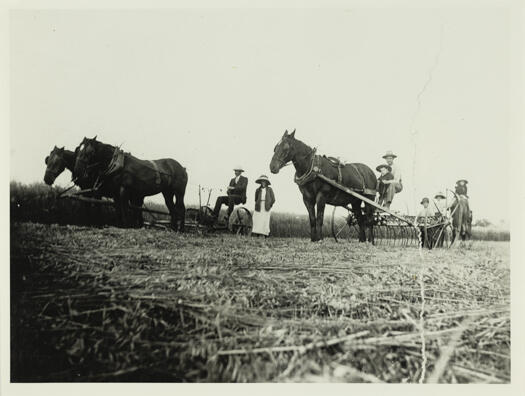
x: 124, y: 206
x: 180, y: 209
x: 369, y: 222
x: 138, y: 219
x: 116, y: 204
x: 310, y: 206
x: 358, y: 213
x: 168, y: 199
x: 321, y: 203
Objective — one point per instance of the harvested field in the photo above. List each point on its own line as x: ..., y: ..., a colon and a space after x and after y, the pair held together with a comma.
x: 108, y: 304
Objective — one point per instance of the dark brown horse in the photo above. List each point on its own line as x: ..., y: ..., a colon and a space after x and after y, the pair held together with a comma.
x: 134, y: 179
x: 461, y: 219
x: 58, y: 160
x: 358, y: 177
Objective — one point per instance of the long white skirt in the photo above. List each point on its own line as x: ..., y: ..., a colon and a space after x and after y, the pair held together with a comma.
x: 261, y: 221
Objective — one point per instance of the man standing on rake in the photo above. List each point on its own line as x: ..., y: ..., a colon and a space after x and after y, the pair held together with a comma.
x: 395, y: 185
x: 236, y: 193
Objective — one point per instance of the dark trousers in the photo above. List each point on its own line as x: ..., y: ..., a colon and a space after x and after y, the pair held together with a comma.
x: 229, y: 200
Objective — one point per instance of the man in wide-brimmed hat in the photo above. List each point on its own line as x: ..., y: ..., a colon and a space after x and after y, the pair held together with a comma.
x: 382, y: 187
x: 236, y: 193
x: 395, y: 185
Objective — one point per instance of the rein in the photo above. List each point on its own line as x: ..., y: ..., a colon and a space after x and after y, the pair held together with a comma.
x: 69, y: 188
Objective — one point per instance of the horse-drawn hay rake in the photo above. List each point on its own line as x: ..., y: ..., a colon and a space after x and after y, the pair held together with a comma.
x: 199, y: 219
x: 390, y: 230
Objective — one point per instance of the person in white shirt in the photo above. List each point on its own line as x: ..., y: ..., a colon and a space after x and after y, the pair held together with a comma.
x: 395, y: 186
x: 425, y: 214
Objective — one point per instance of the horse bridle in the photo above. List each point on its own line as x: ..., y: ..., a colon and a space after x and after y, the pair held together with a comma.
x: 284, y: 163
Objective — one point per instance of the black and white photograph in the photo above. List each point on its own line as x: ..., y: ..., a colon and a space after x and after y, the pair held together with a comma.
x: 269, y: 194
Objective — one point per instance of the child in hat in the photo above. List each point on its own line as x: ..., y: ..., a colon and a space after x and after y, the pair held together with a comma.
x: 382, y: 188
x: 424, y: 214
x: 264, y: 200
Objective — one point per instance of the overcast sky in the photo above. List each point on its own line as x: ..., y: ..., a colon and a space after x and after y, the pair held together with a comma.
x: 217, y: 88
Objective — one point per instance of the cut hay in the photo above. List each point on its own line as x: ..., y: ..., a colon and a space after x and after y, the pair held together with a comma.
x: 150, y: 305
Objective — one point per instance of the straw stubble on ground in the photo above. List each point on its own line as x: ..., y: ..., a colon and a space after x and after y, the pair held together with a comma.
x: 150, y: 305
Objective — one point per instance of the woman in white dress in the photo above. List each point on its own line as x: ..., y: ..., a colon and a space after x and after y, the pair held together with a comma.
x: 264, y: 200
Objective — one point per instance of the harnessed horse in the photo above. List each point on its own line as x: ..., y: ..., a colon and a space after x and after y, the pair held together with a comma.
x: 130, y: 179
x: 461, y: 218
x: 315, y: 191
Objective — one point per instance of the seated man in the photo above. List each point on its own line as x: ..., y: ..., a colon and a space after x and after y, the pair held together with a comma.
x: 381, y: 186
x: 236, y: 193
x: 395, y: 186
x: 423, y: 221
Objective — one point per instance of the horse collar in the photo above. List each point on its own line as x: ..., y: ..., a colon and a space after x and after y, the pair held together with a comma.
x: 311, y: 174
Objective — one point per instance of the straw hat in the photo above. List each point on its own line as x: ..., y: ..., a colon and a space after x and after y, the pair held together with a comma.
x: 439, y: 194
x: 238, y: 168
x: 425, y: 200
x: 389, y: 153
x: 462, y: 180
x: 263, y: 178
x: 378, y: 168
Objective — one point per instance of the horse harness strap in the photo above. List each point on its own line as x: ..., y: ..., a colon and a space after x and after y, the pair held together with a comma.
x: 157, y: 172
x: 315, y: 170
x: 116, y: 163
x: 360, y: 176
x: 311, y: 174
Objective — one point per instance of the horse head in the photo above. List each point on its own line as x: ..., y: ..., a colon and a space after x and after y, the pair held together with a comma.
x: 55, y: 165
x: 85, y: 156
x: 283, y: 152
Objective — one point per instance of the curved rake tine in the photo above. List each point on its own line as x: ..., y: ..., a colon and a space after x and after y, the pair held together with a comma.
x: 388, y: 235
x: 396, y: 241
x: 412, y: 236
x: 393, y: 234
x: 406, y: 236
x: 407, y: 232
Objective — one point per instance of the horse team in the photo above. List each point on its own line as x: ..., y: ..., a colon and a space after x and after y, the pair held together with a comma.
x: 106, y: 171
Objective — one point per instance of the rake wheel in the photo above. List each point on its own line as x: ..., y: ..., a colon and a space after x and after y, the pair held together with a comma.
x: 343, y: 224
x: 240, y: 221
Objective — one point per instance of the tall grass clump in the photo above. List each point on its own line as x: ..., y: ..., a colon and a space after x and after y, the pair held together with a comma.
x: 40, y: 203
